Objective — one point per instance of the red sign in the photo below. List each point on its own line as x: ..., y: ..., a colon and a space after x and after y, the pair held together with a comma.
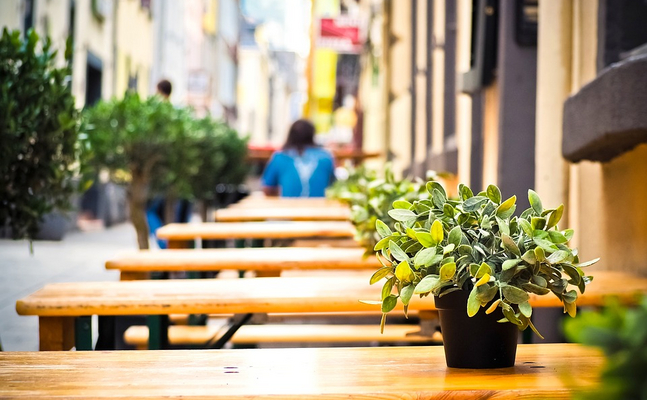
x: 340, y: 34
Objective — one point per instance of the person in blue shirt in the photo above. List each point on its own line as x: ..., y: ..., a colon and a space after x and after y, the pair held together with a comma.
x: 301, y: 168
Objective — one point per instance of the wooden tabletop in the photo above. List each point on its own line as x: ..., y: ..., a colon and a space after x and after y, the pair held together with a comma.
x: 309, y: 202
x: 259, y: 259
x: 242, y: 214
x: 260, y: 230
x: 261, y: 295
x: 546, y: 371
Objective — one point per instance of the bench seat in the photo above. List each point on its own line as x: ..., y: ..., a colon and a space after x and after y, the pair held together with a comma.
x: 285, y: 333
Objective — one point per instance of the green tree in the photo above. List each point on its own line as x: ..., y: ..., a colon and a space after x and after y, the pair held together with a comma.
x: 38, y: 133
x: 159, y: 149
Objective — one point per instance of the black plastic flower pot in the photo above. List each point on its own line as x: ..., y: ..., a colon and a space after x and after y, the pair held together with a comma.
x: 476, y: 342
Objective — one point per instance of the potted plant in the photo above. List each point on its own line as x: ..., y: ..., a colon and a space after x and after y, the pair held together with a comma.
x: 473, y: 253
x: 371, y: 198
x: 39, y: 156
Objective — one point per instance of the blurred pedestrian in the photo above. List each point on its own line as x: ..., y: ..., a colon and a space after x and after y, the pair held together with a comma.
x: 155, y: 212
x: 301, y: 168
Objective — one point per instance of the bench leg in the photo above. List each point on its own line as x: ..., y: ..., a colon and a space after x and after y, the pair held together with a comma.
x: 83, y: 333
x: 134, y: 276
x: 106, y: 339
x: 239, y: 320
x: 56, y: 333
x: 158, y: 332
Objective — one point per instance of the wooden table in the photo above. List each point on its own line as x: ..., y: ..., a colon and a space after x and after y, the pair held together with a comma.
x: 546, y: 371
x: 308, y: 202
x: 256, y: 230
x: 243, y: 214
x: 57, y: 304
x: 138, y: 264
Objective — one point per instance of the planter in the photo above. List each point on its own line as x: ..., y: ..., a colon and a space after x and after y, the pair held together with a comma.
x: 476, y: 342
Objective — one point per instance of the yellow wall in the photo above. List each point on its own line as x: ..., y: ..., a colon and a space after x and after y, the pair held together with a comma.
x: 134, y: 40
x: 463, y: 101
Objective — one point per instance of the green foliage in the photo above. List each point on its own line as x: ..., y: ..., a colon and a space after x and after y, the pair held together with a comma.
x: 371, y: 198
x: 38, y: 133
x: 622, y: 334
x: 475, y: 243
x: 179, y: 155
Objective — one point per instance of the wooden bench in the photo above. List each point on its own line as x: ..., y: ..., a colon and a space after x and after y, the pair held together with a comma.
x: 547, y: 371
x: 138, y: 264
x: 285, y: 333
x: 58, y: 304
x: 178, y: 234
x: 244, y: 214
x: 286, y: 202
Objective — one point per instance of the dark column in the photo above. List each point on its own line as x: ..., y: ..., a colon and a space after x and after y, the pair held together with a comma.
x: 517, y: 79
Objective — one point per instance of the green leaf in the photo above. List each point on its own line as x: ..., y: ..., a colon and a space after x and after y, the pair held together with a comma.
x: 587, y: 263
x: 511, y: 316
x: 403, y: 272
x: 397, y: 252
x: 448, y: 249
x: 570, y: 308
x: 382, y: 229
x: 387, y: 288
x: 382, y: 243
x: 427, y: 284
x: 538, y: 223
x: 545, y: 245
x: 568, y: 234
x: 570, y: 296
x: 484, y: 268
x: 539, y: 254
x: 431, y: 185
x: 379, y: 274
x: 534, y: 329
x: 494, y: 194
x: 402, y: 215
x: 389, y: 303
x: 455, y: 236
x: 535, y: 202
x: 507, y: 208
x: 557, y: 237
x: 427, y: 257
x: 402, y: 204
x: 558, y: 257
x: 447, y: 271
x: 474, y: 203
x: 507, y: 264
x: 405, y: 294
x: 510, y: 245
x: 525, y: 308
x: 425, y: 239
x: 474, y: 269
x: 437, y: 233
x: 527, y: 228
x: 485, y: 293
x: 555, y: 217
x: 529, y: 257
x: 473, y: 304
x: 438, y: 198
x: 532, y: 288
x: 514, y: 295
x: 464, y: 191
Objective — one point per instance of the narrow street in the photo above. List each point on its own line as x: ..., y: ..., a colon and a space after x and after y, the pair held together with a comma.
x: 79, y: 257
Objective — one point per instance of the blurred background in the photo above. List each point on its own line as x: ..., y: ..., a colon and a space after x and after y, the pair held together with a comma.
x: 547, y: 94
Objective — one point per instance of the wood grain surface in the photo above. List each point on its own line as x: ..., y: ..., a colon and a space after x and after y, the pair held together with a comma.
x: 546, y: 371
x: 268, y: 258
x: 263, y: 202
x: 243, y: 214
x: 261, y: 230
x: 282, y: 294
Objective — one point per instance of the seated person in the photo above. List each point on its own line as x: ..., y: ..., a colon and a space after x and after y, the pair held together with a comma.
x: 301, y: 168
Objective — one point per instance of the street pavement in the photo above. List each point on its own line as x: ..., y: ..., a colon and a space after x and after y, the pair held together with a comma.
x: 79, y: 257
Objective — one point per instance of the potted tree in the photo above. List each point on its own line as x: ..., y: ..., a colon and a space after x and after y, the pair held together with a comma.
x: 39, y: 157
x: 473, y: 253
